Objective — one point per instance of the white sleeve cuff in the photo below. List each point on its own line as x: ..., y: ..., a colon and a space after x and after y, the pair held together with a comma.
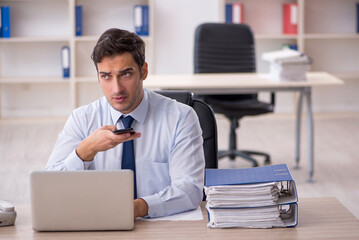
x: 73, y: 162
x: 155, y: 206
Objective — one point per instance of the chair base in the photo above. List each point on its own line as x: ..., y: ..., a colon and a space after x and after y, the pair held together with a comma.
x: 232, y: 154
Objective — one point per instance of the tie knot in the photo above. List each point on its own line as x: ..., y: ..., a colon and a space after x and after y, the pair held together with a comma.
x: 127, y: 121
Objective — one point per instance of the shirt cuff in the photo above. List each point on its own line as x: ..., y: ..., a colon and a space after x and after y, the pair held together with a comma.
x: 155, y: 206
x: 73, y: 162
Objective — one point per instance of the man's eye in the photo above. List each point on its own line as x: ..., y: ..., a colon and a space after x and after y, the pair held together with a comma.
x: 126, y: 74
x: 105, y: 77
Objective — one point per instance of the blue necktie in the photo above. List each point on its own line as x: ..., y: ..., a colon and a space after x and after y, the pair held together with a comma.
x: 128, y: 153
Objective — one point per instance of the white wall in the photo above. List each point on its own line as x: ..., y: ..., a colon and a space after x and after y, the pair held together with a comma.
x: 175, y: 22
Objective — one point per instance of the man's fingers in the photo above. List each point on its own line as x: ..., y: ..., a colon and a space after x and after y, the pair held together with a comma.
x: 124, y: 137
x: 108, y: 127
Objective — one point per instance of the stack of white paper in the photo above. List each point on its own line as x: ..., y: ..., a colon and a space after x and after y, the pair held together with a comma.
x: 287, y: 65
x: 241, y: 205
x: 245, y: 195
x: 261, y: 217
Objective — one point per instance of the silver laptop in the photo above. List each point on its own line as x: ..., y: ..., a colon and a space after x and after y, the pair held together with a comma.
x: 82, y: 200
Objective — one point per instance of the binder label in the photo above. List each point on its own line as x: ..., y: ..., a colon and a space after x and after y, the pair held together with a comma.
x: 141, y: 20
x: 65, y: 58
x: 293, y: 14
x: 237, y: 13
x: 65, y: 61
x: 138, y: 16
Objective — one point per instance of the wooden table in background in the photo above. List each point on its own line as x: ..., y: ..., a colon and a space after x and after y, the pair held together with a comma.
x: 235, y: 83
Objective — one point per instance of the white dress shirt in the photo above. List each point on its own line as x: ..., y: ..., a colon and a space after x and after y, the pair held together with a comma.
x: 169, y: 154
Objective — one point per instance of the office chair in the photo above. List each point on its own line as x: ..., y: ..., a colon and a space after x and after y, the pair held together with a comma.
x: 229, y: 48
x: 207, y: 121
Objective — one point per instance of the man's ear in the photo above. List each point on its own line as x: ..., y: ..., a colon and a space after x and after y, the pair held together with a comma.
x: 144, y: 71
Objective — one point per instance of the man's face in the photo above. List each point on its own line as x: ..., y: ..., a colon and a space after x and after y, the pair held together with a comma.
x: 121, y: 81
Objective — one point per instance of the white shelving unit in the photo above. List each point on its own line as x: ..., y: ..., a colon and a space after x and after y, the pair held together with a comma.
x: 30, y: 61
x: 326, y: 32
x: 330, y: 38
x: 322, y: 22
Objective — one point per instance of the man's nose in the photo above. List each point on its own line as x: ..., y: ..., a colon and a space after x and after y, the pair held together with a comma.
x: 116, y: 85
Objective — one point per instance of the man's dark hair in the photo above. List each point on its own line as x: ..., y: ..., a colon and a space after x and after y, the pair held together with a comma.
x: 116, y: 41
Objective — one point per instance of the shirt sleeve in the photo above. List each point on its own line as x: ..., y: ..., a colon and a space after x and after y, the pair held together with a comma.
x: 64, y: 155
x: 186, y: 168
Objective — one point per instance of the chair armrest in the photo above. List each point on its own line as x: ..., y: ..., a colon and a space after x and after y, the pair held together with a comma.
x: 272, y: 98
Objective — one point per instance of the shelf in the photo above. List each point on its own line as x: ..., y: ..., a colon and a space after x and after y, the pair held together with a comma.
x: 86, y: 38
x: 275, y: 36
x: 30, y: 1
x: 328, y: 36
x: 88, y: 79
x: 33, y: 39
x: 47, y: 80
x: 94, y: 38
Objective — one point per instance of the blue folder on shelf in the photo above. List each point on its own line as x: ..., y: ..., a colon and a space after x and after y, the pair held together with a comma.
x: 228, y: 13
x: 0, y: 22
x: 262, y: 192
x: 78, y: 20
x: 5, y: 21
x: 65, y: 61
x: 141, y: 20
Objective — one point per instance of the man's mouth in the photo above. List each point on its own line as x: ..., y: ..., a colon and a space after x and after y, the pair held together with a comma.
x: 119, y: 99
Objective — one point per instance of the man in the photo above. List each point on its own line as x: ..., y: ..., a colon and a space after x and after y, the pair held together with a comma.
x: 169, y: 158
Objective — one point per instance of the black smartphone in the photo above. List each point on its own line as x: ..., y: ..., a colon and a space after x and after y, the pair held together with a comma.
x: 125, y: 130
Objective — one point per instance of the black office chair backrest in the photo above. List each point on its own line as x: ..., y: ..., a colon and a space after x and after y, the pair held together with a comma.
x: 207, y: 121
x: 229, y: 48
x: 224, y: 48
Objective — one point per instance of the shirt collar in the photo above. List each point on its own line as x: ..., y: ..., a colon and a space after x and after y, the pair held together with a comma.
x: 139, y: 113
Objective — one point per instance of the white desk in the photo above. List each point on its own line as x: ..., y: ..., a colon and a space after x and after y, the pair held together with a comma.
x: 233, y: 83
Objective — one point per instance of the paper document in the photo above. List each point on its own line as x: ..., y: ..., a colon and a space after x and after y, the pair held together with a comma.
x: 287, y: 65
x: 280, y: 55
x: 234, y: 196
x: 193, y: 215
x: 262, y: 217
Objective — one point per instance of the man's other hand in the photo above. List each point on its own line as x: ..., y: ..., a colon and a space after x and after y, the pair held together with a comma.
x: 140, y: 207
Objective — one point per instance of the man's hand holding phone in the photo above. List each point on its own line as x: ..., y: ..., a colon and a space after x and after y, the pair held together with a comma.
x: 102, y: 139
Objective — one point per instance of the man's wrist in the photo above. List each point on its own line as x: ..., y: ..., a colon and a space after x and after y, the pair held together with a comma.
x: 83, y: 153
